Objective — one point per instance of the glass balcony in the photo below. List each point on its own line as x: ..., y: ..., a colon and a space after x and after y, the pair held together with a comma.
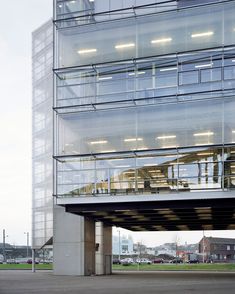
x: 172, y: 171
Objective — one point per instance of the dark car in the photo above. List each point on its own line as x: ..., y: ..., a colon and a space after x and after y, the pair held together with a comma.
x: 116, y: 261
x: 193, y: 261
x: 176, y: 260
x: 158, y: 260
x: 29, y: 261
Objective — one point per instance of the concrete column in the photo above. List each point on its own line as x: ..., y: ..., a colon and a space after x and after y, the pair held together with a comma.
x: 104, y: 249
x: 73, y: 244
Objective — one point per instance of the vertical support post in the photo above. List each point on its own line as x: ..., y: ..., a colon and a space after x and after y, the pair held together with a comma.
x: 104, y: 249
x: 33, y: 261
x: 27, y: 242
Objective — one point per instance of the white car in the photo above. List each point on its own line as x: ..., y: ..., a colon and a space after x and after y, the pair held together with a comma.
x: 127, y: 261
x: 143, y: 261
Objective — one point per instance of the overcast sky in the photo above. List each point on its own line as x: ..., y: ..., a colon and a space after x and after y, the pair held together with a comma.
x: 18, y: 18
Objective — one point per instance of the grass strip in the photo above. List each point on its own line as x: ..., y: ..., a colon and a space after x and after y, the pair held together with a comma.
x: 178, y: 267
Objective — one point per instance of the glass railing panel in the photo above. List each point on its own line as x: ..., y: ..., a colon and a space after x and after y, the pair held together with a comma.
x: 183, y: 170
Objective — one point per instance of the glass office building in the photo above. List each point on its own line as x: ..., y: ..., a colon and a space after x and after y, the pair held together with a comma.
x: 42, y: 129
x: 144, y: 124
x: 144, y: 97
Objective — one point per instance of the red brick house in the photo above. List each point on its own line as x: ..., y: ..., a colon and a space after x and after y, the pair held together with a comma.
x: 218, y: 249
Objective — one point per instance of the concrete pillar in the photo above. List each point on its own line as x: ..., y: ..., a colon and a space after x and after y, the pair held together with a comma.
x: 104, y: 249
x: 73, y: 244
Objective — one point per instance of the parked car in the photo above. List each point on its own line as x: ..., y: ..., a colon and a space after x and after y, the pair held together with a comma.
x: 12, y: 261
x: 29, y: 261
x: 143, y: 261
x: 116, y: 261
x: 193, y: 261
x: 158, y: 260
x: 177, y: 260
x: 127, y: 261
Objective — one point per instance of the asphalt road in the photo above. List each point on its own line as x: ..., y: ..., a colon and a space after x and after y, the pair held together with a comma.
x: 25, y: 282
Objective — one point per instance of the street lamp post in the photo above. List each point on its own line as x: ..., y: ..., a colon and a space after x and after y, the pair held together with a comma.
x: 27, y: 236
x: 119, y: 246
x: 4, y: 245
x: 203, y: 248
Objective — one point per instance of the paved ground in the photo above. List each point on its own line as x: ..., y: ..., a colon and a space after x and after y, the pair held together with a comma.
x: 25, y: 282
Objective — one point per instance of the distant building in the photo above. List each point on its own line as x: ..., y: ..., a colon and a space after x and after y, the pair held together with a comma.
x: 150, y: 251
x: 218, y: 249
x: 125, y: 243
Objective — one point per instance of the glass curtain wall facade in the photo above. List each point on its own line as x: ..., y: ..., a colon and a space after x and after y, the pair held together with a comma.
x: 144, y: 97
x: 42, y: 134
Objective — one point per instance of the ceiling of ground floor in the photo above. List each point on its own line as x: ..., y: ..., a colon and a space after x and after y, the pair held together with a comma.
x: 177, y: 215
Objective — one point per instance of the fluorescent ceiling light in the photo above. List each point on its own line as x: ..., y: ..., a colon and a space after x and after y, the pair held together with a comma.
x: 122, y: 166
x: 138, y: 73
x: 166, y: 137
x: 163, y: 40
x: 139, y: 149
x: 205, y: 153
x: 233, y: 60
x: 204, y: 65
x: 99, y: 142
x: 86, y: 51
x: 133, y: 139
x: 107, y: 151
x: 116, y: 159
x: 203, y: 134
x: 124, y: 46
x: 168, y: 69
x: 205, y: 34
x: 203, y: 144
x: 73, y: 1
x: 171, y: 146
x: 150, y: 164
x: 233, y: 132
x: 105, y: 78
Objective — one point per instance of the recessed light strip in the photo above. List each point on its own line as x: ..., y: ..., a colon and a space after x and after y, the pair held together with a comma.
x: 166, y: 137
x: 168, y: 69
x: 138, y: 73
x: 204, y: 65
x: 203, y: 134
x: 133, y: 139
x: 124, y: 46
x: 105, y: 78
x: 86, y: 51
x: 163, y: 40
x: 204, y: 34
x: 99, y: 142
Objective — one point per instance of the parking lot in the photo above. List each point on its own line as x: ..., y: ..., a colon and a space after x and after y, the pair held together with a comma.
x: 25, y: 282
